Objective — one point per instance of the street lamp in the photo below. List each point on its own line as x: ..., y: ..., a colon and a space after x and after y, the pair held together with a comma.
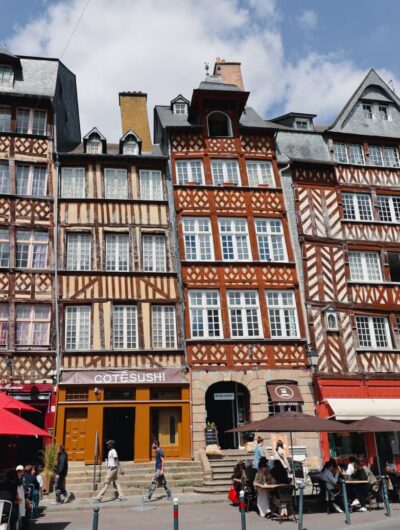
x: 312, y: 358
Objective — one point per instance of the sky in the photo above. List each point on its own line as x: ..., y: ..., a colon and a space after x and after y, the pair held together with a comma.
x: 296, y: 55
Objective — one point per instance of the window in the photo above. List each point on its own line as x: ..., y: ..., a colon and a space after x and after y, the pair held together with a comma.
x: 79, y: 252
x: 391, y: 157
x: 4, y: 247
x: 77, y: 393
x: 394, y: 266
x: 151, y: 185
x: 154, y: 257
x: 180, y: 108
x: 77, y: 327
x: 32, y: 326
x: 234, y: 239
x: 373, y: 332
x: 282, y: 314
x: 357, y: 207
x: 244, y: 313
x: 6, y: 76
x: 124, y: 327
x: 383, y: 112
x: 365, y: 266
x: 31, y: 180
x: 94, y: 146
x: 5, y: 119
x: 117, y: 252
x: 356, y: 154
x: 260, y: 173
x: 4, y: 179
x: 189, y: 171
x: 270, y: 238
x: 340, y: 152
x: 301, y: 124
x: 32, y: 248
x: 389, y: 208
x: 205, y: 314
x: 163, y: 326
x: 219, y: 124
x: 73, y: 183
x: 367, y: 109
x: 375, y: 155
x: 225, y: 171
x: 30, y: 121
x: 115, y: 184
x: 331, y: 321
x: 130, y: 148
x: 3, y: 325
x: 198, y: 238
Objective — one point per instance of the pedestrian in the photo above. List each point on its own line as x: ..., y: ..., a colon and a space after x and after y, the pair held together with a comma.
x: 280, y: 455
x: 159, y: 473
x: 113, y: 466
x: 258, y: 452
x: 61, y: 471
x: 22, y: 501
x: 37, y: 471
x: 8, y: 492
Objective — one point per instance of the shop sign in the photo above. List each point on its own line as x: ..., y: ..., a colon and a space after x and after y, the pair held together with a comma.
x: 227, y: 396
x: 117, y: 377
x: 26, y: 387
x: 284, y: 393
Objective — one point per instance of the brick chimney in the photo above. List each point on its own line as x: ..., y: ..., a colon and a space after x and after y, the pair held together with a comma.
x: 134, y: 116
x: 230, y: 72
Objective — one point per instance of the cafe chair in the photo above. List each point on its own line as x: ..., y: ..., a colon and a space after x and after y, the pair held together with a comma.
x: 395, y: 480
x: 5, y: 514
x: 315, y: 482
x: 284, y: 500
x: 375, y: 495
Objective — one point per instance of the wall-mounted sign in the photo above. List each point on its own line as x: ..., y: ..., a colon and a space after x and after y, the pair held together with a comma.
x: 117, y: 377
x: 224, y: 396
x: 284, y: 393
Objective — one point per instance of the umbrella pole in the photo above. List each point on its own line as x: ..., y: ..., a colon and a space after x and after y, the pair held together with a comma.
x: 294, y: 477
x: 377, y: 455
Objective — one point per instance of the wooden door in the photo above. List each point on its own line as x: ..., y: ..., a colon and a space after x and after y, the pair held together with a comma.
x: 75, y: 432
x: 170, y: 430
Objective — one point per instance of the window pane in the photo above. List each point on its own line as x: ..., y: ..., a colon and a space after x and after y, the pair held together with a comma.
x: 79, y: 252
x: 23, y: 120
x: 151, y: 185
x: 189, y: 171
x: 356, y: 154
x: 197, y: 238
x: 234, y: 239
x: 4, y: 247
x: 391, y: 156
x: 115, y: 184
x: 163, y: 327
x: 124, y: 327
x: 244, y: 313
x: 225, y: 171
x: 375, y: 155
x: 270, y: 238
x: 4, y: 178
x: 282, y: 314
x: 154, y: 256
x: 340, y: 152
x: 5, y: 119
x: 31, y: 251
x: 205, y: 314
x: 39, y: 122
x: 73, y: 182
x: 77, y: 327
x: 6, y: 75
x: 260, y: 173
x: 32, y: 324
x: 117, y: 252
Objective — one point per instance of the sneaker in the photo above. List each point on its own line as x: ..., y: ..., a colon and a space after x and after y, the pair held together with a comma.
x: 356, y: 502
x: 56, y: 503
x: 96, y: 499
x: 121, y: 499
x: 337, y: 508
x: 146, y: 498
x: 363, y: 509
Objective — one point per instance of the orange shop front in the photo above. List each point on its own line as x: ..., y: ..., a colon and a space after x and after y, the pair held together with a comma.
x: 132, y: 407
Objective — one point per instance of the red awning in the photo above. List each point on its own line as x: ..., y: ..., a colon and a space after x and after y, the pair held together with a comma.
x: 9, y: 403
x: 284, y: 393
x: 13, y: 425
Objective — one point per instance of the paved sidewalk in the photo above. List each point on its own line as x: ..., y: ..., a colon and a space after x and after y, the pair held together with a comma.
x: 194, y: 514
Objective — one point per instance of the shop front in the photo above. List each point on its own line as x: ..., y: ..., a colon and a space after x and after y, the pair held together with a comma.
x: 349, y: 400
x: 132, y: 407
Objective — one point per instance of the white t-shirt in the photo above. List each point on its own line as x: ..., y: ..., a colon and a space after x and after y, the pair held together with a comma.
x: 21, y: 495
x: 39, y: 478
x: 350, y: 470
x: 112, y: 458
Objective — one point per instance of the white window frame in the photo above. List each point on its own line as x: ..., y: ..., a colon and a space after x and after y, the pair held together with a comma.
x: 367, y: 111
x: 375, y: 157
x: 115, y: 251
x: 94, y: 146
x: 152, y: 259
x: 130, y: 147
x: 32, y: 322
x: 270, y: 239
x: 115, y: 183
x: 221, y: 167
x: 372, y: 333
x: 35, y: 245
x: 241, y: 310
x: 205, y: 312
x: 392, y: 161
x: 356, y: 206
x: 162, y: 311
x: 74, y: 321
x: 386, y: 117
x: 73, y: 182
x: 4, y: 247
x: 284, y: 311
x: 390, y: 207
x: 340, y: 153
x: 302, y: 124
x: 4, y: 325
x: 359, y: 160
x: 4, y: 178
x: 6, y: 79
x: 152, y: 190
x: 260, y: 173
x: 5, y: 124
x: 129, y: 321
x: 31, y: 175
x: 198, y: 237
x: 79, y: 254
x: 186, y: 172
x: 359, y: 265
x: 233, y: 237
x: 180, y: 108
x: 31, y: 116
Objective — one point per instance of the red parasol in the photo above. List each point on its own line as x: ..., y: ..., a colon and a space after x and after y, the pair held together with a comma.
x: 13, y: 425
x: 9, y: 403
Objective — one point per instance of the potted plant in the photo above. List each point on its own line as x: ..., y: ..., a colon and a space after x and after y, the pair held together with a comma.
x: 49, y: 455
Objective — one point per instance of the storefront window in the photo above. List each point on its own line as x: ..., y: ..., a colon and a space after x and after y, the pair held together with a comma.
x: 170, y: 394
x: 278, y: 408
x: 119, y: 394
x: 77, y: 394
x: 343, y: 445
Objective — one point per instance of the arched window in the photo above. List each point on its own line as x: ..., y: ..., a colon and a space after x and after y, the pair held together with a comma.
x: 219, y: 124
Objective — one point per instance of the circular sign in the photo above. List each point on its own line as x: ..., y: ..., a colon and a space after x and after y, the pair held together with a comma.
x: 284, y: 392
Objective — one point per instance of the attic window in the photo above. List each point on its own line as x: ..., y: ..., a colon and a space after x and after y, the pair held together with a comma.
x: 93, y: 146
x: 383, y: 112
x: 130, y: 147
x: 367, y: 109
x: 6, y: 76
x: 180, y: 108
x: 302, y: 124
x: 219, y: 124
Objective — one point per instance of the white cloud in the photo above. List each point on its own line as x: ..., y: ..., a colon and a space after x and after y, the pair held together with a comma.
x: 160, y: 47
x: 308, y: 19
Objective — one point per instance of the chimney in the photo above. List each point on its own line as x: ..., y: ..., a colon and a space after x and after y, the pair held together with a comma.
x: 230, y: 72
x: 134, y: 116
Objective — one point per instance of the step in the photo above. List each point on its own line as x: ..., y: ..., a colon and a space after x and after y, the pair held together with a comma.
x: 131, y: 471
x: 89, y: 493
x: 211, y: 489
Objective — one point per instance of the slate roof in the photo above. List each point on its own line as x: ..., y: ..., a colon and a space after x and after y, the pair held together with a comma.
x: 301, y: 146
x: 215, y: 82
x: 113, y: 150
x: 39, y: 77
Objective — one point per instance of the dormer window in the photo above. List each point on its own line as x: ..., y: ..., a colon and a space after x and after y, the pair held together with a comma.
x: 383, y: 112
x: 367, y: 110
x: 302, y: 124
x: 93, y: 146
x: 6, y: 76
x: 130, y: 148
x: 219, y: 124
x: 180, y: 108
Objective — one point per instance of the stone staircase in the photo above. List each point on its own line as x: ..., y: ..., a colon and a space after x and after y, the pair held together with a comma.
x: 182, y: 476
x: 222, y: 469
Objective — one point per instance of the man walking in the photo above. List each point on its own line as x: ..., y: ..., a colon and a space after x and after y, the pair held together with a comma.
x: 113, y: 466
x: 61, y: 471
x: 160, y: 472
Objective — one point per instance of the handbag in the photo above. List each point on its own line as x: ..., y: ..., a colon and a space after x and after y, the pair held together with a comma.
x: 233, y: 495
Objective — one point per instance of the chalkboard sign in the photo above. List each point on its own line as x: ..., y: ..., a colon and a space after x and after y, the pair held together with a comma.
x: 211, y: 437
x: 298, y: 468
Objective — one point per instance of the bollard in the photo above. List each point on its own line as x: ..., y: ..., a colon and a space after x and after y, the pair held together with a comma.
x: 386, y: 496
x: 242, y: 507
x: 176, y: 514
x: 95, y: 523
x: 301, y: 507
x: 346, y: 503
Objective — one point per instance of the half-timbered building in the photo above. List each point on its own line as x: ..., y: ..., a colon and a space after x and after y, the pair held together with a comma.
x: 38, y: 112
x: 123, y: 366
x: 243, y: 322
x: 342, y: 185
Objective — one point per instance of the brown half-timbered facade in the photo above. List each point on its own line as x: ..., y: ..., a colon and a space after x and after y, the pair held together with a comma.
x: 242, y: 311
x: 343, y: 185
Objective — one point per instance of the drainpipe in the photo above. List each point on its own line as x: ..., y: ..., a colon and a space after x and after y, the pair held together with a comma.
x: 57, y: 309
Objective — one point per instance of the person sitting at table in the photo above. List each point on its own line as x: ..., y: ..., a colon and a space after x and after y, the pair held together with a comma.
x: 358, y: 493
x: 249, y: 473
x: 330, y: 475
x: 263, y: 477
x: 279, y: 473
x: 350, y: 467
x: 237, y: 475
